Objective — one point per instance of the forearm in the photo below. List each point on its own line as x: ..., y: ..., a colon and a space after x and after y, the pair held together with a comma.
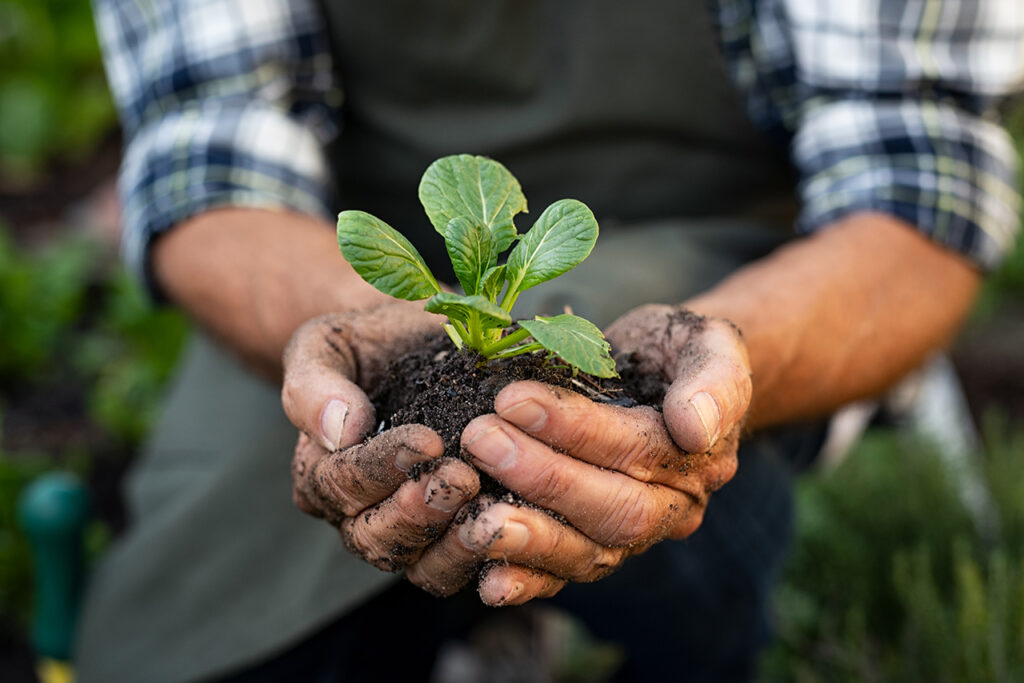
x: 252, y: 276
x: 842, y: 314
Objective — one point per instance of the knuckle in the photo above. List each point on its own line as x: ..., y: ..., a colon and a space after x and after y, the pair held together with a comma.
x: 436, y: 586
x: 441, y: 571
x: 577, y: 434
x: 604, y: 562
x: 408, y: 518
x: 688, y: 522
x: 359, y: 539
x: 549, y: 485
x: 326, y: 485
x: 633, y: 518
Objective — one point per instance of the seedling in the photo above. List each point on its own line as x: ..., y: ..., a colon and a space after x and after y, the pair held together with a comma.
x: 472, y: 201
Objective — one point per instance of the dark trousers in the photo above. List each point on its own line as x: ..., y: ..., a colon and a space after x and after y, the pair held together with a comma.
x: 693, y: 610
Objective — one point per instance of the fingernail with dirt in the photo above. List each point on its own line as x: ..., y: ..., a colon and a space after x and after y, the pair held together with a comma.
x: 406, y: 457
x: 514, y: 536
x: 467, y: 535
x: 442, y: 496
x: 515, y: 589
x: 332, y: 423
x: 527, y: 414
x: 493, y: 449
x: 708, y: 413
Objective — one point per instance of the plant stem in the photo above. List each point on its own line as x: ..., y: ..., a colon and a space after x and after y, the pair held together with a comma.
x: 476, y: 339
x: 517, y: 351
x: 510, y: 298
x: 453, y: 334
x: 505, y: 342
x: 461, y: 329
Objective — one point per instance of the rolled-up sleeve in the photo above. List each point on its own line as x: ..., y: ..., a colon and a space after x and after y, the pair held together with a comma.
x: 894, y: 110
x: 223, y: 102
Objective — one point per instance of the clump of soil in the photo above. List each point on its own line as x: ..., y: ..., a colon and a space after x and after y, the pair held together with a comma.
x: 444, y: 389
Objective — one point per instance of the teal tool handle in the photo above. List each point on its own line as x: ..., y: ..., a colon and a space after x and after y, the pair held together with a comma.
x: 53, y: 511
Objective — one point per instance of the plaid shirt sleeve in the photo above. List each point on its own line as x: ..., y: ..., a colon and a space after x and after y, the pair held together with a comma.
x: 223, y: 103
x: 890, y: 105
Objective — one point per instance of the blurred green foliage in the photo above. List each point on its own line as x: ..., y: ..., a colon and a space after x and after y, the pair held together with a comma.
x: 891, y: 581
x: 54, y: 102
x: 73, y: 325
x: 15, y: 560
x: 70, y: 315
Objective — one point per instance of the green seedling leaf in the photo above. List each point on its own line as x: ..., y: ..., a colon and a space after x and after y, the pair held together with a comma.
x: 383, y: 257
x: 561, y: 238
x: 575, y: 340
x: 476, y: 188
x: 461, y: 308
x: 493, y: 281
x: 469, y: 247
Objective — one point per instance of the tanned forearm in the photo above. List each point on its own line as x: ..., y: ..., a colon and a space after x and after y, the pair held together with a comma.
x: 842, y: 314
x: 252, y: 276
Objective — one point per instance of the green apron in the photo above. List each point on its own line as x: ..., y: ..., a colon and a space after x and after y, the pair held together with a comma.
x: 626, y: 106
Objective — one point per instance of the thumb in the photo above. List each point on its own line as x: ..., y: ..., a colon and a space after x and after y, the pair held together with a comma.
x: 318, y: 394
x: 711, y: 393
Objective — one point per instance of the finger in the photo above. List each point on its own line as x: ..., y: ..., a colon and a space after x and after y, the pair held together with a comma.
x: 527, y: 536
x: 633, y: 441
x: 502, y: 585
x: 344, y: 483
x: 608, y: 506
x: 318, y: 393
x: 307, y: 455
x: 393, y: 534
x: 448, y: 565
x: 711, y: 394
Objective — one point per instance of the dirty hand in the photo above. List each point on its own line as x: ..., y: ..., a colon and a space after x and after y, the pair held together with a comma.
x: 364, y: 488
x: 623, y: 478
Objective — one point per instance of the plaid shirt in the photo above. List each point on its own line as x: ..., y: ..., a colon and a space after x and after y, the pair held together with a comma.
x: 886, y: 105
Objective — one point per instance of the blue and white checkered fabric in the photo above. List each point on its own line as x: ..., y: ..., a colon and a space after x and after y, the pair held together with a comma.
x: 887, y: 105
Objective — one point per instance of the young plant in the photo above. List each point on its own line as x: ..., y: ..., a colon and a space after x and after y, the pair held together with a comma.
x: 471, y: 201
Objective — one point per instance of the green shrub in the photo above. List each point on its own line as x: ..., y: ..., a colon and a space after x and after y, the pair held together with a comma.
x: 890, y: 580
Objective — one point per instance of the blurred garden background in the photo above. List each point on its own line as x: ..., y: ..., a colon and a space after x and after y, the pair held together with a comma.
x: 893, y: 577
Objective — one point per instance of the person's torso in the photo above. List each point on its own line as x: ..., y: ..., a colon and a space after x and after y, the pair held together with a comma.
x: 626, y: 106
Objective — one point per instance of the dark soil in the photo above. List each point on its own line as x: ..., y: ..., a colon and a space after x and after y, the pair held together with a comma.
x: 445, y: 389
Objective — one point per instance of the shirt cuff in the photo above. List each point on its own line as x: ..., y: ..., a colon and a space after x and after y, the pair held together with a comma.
x: 215, y: 154
x: 951, y: 174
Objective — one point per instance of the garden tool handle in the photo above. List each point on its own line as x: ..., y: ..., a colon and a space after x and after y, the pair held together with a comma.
x: 53, y: 511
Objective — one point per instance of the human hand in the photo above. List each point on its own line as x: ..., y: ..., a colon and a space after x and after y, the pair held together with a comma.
x: 364, y: 489
x: 621, y: 478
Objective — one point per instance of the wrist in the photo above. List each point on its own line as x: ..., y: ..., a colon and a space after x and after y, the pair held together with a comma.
x: 251, y: 277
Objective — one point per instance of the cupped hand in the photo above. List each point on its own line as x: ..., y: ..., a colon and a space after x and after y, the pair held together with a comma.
x: 618, y: 479
x: 364, y: 488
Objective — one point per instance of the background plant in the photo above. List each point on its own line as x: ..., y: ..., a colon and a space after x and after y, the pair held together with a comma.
x: 83, y: 360
x: 54, y: 102
x: 890, y: 580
